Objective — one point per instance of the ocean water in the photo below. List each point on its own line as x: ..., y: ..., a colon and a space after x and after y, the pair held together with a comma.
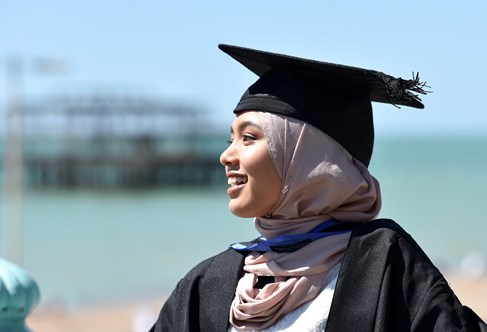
x: 91, y: 246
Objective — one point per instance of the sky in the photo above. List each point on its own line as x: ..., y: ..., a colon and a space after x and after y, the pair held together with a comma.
x: 168, y: 50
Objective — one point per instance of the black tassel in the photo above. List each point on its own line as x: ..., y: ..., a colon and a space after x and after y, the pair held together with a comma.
x: 400, y: 91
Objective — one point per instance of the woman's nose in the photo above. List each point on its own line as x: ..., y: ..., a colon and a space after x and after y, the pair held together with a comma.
x: 228, y: 157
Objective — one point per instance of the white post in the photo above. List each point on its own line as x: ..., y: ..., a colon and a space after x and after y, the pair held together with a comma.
x: 13, y: 167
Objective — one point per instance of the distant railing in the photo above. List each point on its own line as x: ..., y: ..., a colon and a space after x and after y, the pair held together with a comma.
x: 123, y: 171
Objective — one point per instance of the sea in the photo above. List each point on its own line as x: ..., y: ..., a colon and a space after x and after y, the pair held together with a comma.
x: 96, y: 246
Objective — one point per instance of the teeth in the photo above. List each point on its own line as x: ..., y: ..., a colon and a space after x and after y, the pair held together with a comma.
x: 236, y: 180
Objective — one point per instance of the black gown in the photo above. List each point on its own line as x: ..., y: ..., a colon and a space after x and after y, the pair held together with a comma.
x: 386, y: 283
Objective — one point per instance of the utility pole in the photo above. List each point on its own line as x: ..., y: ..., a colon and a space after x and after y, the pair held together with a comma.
x: 12, y: 227
x: 13, y: 165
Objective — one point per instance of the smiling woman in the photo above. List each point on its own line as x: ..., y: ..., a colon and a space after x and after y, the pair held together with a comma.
x: 297, y: 163
x: 254, y: 183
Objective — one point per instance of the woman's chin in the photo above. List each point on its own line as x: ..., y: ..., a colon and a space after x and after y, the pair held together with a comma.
x: 239, y: 211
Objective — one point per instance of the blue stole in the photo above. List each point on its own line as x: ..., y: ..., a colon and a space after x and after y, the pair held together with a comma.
x: 289, y: 243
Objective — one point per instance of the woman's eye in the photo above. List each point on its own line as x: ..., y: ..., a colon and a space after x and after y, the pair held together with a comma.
x: 230, y: 141
x: 249, y: 137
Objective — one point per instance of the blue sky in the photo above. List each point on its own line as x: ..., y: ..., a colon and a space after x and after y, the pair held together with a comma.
x: 169, y: 50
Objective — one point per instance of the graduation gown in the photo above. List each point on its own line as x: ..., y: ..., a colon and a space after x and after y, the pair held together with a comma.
x: 386, y: 283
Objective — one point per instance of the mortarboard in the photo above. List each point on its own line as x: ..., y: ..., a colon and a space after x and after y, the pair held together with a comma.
x: 332, y: 97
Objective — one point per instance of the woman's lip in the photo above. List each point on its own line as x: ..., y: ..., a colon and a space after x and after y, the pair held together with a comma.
x: 233, y: 190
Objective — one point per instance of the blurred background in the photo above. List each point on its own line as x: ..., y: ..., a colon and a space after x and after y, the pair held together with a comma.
x: 113, y: 115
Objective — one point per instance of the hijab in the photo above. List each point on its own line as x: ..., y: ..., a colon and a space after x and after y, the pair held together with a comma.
x: 320, y: 181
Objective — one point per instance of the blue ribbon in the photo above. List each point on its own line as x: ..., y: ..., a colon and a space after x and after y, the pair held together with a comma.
x: 289, y: 243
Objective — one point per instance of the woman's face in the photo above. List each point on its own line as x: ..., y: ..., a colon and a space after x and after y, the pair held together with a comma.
x: 254, y: 183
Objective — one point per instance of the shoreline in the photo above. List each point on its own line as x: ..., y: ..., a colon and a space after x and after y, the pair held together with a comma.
x: 140, y: 314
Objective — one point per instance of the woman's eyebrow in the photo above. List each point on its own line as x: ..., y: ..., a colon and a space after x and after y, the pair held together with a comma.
x: 246, y: 124
x: 249, y: 123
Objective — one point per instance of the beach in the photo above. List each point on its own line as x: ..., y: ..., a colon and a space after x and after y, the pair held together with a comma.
x: 113, y: 317
x: 139, y: 315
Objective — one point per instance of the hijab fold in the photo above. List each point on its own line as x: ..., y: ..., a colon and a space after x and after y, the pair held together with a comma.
x: 320, y: 181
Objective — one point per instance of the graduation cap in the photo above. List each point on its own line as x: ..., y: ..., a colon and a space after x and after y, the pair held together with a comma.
x: 332, y: 97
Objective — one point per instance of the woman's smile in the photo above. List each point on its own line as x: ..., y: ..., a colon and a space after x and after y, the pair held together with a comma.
x: 237, y: 180
x: 236, y: 184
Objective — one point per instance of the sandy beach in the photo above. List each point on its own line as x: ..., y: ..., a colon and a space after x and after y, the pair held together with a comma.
x: 114, y: 317
x: 472, y: 292
x: 139, y: 315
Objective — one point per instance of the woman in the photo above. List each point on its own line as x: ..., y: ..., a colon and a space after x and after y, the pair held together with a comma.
x: 297, y: 162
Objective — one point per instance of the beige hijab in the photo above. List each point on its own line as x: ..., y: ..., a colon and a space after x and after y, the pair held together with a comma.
x: 320, y: 181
